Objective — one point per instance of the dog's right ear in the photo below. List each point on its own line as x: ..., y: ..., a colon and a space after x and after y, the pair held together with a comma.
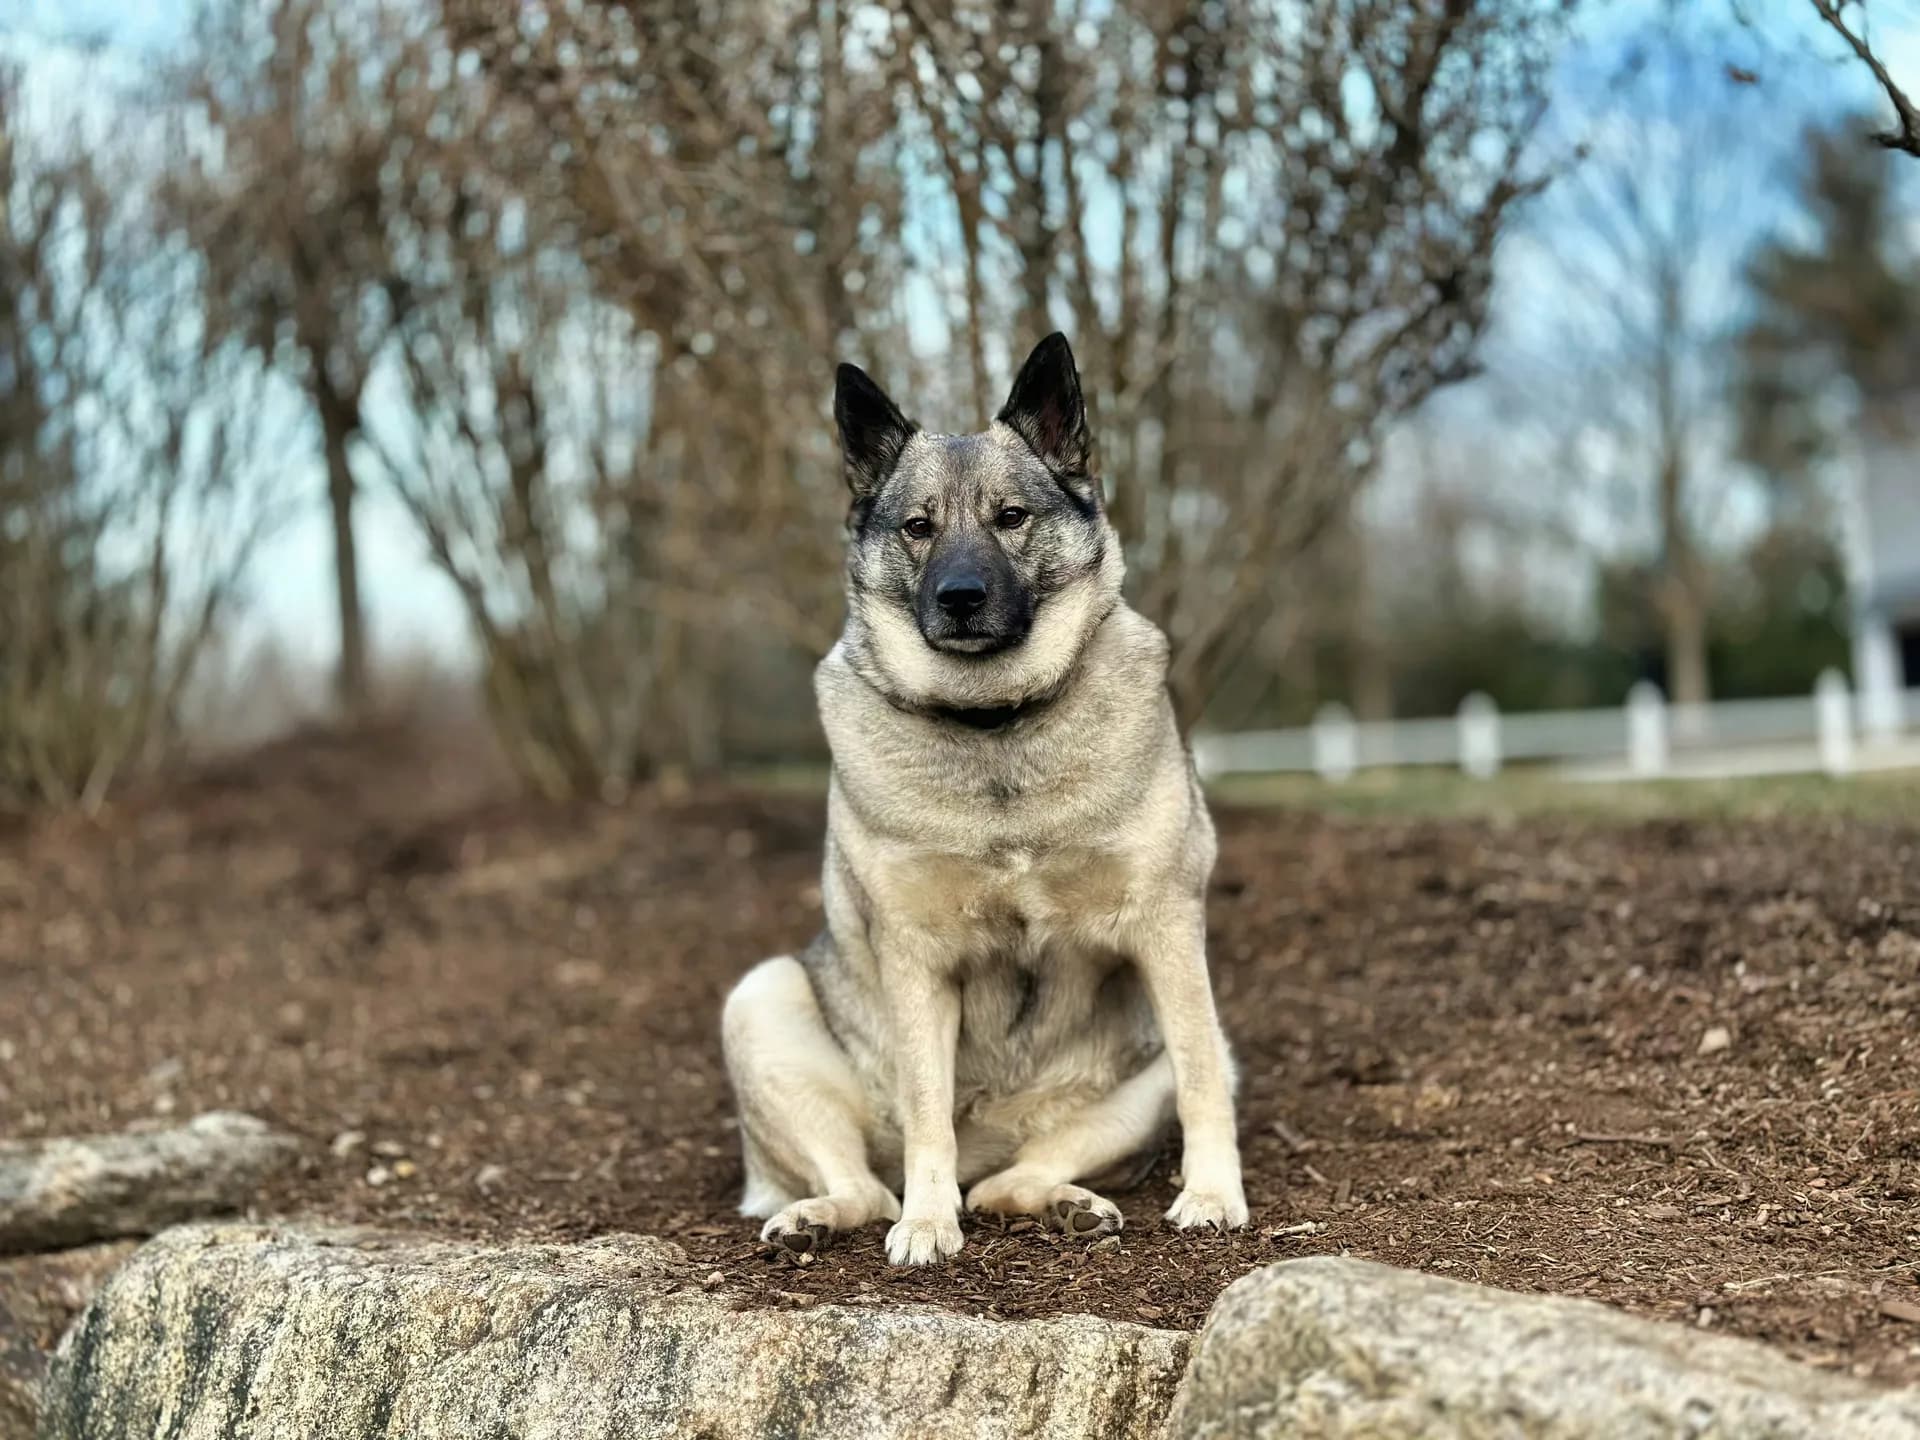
x: 1047, y: 410
x: 873, y: 432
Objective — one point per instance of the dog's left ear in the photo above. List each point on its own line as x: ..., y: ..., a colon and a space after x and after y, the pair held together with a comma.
x: 1046, y: 410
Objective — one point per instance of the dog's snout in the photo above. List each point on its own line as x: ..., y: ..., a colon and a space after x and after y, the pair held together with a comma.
x: 961, y: 593
x: 970, y: 601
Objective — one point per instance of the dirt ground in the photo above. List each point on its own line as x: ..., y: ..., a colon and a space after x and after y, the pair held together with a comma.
x: 1667, y: 1065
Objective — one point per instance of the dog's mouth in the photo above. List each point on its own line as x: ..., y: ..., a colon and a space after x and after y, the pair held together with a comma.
x: 971, y: 644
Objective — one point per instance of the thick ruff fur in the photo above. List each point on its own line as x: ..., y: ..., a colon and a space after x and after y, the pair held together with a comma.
x: 1011, y: 992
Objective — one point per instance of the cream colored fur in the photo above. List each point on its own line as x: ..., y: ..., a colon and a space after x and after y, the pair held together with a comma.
x: 1011, y: 992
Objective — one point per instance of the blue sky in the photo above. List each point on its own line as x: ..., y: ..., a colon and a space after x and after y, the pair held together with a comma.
x: 413, y: 609
x: 134, y: 25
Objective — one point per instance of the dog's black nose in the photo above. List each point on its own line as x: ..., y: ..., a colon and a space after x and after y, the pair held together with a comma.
x: 962, y: 594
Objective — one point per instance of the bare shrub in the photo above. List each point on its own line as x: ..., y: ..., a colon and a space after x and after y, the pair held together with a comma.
x: 571, y: 278
x: 1300, y: 204
x: 129, y: 504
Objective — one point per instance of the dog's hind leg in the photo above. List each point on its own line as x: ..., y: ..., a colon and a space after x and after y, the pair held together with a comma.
x: 1102, y: 1138
x: 803, y: 1115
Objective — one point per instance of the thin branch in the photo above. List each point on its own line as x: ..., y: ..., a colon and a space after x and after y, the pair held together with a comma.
x: 1907, y: 136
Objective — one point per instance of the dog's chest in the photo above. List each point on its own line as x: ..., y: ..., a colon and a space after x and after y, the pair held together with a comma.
x: 1039, y: 939
x: 1014, y: 899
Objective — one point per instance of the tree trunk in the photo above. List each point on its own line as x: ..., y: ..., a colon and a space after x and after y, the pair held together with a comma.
x: 1682, y: 583
x: 1687, y: 650
x: 352, y: 691
x: 1036, y: 238
x: 1370, y: 674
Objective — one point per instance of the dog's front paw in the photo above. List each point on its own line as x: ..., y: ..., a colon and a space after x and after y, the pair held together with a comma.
x: 1221, y: 1207
x: 924, y: 1240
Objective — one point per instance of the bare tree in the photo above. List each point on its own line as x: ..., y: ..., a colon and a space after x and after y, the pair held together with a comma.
x: 570, y: 279
x: 600, y: 256
x: 1618, y: 383
x: 527, y: 461
x: 131, y: 490
x: 286, y: 196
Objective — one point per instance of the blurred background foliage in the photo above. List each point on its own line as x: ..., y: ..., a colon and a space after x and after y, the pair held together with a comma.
x: 1432, y: 346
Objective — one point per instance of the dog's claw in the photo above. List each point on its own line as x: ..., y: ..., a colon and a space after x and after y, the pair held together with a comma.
x: 1217, y: 1209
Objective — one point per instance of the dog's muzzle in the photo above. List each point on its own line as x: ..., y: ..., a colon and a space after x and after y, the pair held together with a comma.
x: 971, y: 603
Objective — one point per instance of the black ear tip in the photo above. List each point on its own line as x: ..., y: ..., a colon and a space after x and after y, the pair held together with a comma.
x: 1052, y: 357
x: 857, y: 393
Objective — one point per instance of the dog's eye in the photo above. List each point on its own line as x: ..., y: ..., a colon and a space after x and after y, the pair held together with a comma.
x: 1011, y: 518
x: 918, y: 528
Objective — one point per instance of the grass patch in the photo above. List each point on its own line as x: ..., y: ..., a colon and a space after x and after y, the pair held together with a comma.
x: 1886, y: 796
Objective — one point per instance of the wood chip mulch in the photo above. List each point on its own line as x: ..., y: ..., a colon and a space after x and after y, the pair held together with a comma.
x: 1670, y: 1066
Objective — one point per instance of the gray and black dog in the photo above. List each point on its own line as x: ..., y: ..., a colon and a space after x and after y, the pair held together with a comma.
x: 1011, y: 992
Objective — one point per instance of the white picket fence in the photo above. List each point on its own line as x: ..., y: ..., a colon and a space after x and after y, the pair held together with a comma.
x: 1828, y: 731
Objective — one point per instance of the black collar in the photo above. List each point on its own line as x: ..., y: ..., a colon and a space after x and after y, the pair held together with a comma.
x: 988, y: 718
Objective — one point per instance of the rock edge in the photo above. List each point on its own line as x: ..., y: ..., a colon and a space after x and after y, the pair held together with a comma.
x: 59, y: 1193
x: 286, y: 1332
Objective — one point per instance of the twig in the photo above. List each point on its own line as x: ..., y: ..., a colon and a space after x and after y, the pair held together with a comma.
x: 1757, y: 1281
x: 1591, y: 1137
x: 1305, y: 1227
x: 1907, y: 137
x: 1296, y: 1142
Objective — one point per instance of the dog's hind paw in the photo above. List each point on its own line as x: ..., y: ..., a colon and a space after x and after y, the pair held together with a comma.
x: 924, y: 1241
x: 1082, y: 1214
x: 1195, y: 1208
x: 793, y: 1234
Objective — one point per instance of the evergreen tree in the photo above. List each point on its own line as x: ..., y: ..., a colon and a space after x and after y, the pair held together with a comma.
x: 1846, y: 309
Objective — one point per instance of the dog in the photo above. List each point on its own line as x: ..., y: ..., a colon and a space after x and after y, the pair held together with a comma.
x: 1011, y: 992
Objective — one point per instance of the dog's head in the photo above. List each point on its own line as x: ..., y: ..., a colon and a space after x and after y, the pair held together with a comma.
x: 978, y: 565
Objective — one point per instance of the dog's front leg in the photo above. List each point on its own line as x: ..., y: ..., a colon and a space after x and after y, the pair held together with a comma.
x: 924, y: 1010
x: 1173, y: 961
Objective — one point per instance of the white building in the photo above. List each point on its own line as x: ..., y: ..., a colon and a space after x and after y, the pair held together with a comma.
x: 1886, y: 587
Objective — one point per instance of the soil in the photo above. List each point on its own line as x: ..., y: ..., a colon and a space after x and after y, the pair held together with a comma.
x: 1669, y: 1066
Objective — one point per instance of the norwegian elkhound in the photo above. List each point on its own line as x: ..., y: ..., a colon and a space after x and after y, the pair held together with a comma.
x: 1011, y: 991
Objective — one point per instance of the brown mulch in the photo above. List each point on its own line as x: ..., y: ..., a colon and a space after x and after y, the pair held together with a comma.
x: 1669, y: 1066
